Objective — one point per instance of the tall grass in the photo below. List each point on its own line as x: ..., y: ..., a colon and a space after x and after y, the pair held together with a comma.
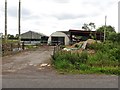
x: 105, y: 60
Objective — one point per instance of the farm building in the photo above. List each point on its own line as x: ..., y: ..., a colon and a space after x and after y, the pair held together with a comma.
x: 59, y: 37
x: 80, y: 35
x: 73, y: 36
x: 32, y: 37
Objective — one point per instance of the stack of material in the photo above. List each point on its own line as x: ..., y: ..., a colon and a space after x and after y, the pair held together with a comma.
x: 91, y: 41
x: 83, y: 47
x: 73, y: 46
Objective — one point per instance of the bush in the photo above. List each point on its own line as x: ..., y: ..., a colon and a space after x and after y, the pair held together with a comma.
x: 114, y: 37
x: 95, y: 46
x: 114, y: 54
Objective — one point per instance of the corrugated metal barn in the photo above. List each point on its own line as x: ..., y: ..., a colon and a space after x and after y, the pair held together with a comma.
x: 59, y: 37
x: 32, y: 37
x: 73, y: 36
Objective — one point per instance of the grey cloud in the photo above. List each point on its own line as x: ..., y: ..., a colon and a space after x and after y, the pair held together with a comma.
x: 30, y: 17
x: 13, y: 12
x: 68, y: 16
x: 98, y: 3
x: 1, y: 9
x: 56, y: 1
x: 61, y: 1
x: 27, y: 15
x: 25, y: 12
x: 72, y: 16
x: 37, y: 23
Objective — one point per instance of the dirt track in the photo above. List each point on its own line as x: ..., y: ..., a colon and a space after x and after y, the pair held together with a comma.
x: 35, y: 58
x: 24, y: 70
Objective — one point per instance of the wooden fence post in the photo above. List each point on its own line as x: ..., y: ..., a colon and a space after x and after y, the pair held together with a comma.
x: 11, y: 48
x: 19, y: 46
x: 23, y: 45
x: 3, y: 49
x: 54, y: 51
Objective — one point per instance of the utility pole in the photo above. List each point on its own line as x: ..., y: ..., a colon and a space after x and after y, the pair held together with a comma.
x: 5, y: 21
x: 105, y: 28
x: 19, y: 21
x: 119, y: 17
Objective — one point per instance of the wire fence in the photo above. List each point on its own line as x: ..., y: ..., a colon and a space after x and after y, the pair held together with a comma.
x: 12, y: 48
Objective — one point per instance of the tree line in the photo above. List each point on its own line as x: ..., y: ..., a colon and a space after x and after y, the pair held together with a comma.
x: 10, y: 36
x: 110, y: 32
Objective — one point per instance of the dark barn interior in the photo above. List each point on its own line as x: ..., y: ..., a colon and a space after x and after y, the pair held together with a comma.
x: 84, y: 35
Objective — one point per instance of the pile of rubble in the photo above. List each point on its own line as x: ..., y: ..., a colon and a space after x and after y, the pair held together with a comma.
x: 43, y: 66
x: 81, y: 46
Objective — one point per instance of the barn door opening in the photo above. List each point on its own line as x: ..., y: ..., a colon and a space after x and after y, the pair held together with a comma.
x: 58, y: 40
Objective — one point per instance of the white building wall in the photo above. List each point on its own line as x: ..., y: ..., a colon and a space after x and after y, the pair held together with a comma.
x: 59, y: 34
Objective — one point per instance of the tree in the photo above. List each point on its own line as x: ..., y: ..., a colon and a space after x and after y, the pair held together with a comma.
x: 88, y: 27
x: 85, y: 26
x: 17, y: 36
x: 114, y: 37
x: 10, y: 36
x: 109, y: 30
x: 92, y: 25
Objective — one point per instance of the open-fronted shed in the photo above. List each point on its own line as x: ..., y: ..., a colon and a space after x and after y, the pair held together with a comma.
x: 32, y: 37
x: 82, y: 35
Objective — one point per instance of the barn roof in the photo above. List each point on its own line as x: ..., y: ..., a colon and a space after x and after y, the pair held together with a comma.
x: 65, y: 32
x: 41, y: 34
x: 33, y: 35
x: 83, y: 31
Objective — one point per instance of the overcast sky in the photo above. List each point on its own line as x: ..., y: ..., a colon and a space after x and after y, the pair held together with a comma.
x: 48, y: 16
